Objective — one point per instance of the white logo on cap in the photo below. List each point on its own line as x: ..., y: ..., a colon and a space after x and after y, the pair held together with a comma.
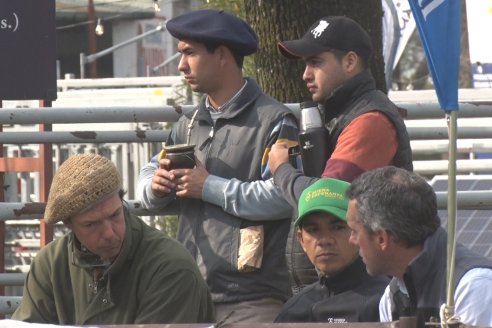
x: 320, y: 28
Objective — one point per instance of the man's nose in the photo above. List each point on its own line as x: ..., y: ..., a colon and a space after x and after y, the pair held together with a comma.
x: 108, y: 230
x: 326, y: 239
x: 182, y: 66
x: 307, y: 76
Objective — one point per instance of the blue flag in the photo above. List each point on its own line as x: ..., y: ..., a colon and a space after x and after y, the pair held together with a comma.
x: 438, y: 22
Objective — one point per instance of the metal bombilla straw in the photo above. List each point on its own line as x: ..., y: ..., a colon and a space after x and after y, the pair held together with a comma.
x: 190, y: 127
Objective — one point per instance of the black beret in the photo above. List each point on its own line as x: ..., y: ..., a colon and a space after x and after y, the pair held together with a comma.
x: 215, y: 26
x: 332, y: 32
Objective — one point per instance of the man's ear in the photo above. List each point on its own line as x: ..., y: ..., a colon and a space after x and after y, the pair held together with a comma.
x: 300, y: 239
x: 351, y: 61
x: 383, y: 239
x: 223, y: 52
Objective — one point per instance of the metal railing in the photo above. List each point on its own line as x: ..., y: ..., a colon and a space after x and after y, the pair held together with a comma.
x: 428, y: 138
x: 8, y: 304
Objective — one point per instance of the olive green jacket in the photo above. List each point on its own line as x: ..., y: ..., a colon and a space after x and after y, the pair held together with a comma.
x: 153, y: 280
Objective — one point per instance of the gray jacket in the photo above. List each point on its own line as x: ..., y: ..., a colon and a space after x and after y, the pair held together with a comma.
x: 234, y: 148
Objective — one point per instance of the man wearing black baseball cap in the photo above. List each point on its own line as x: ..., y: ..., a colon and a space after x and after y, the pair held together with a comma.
x: 364, y: 128
x: 232, y: 218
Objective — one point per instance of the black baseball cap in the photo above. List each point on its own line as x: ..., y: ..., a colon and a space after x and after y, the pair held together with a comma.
x: 331, y: 32
x: 215, y: 26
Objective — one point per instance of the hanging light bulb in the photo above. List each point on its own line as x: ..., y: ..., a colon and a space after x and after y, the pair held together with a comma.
x: 156, y: 6
x: 99, y: 27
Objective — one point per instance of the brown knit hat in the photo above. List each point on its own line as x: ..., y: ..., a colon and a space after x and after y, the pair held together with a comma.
x: 80, y: 182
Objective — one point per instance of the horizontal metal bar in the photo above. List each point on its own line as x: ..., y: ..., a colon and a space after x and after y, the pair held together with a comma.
x: 135, y: 207
x: 476, y: 200
x: 12, y: 279
x: 120, y: 82
x: 63, y: 137
x: 8, y: 304
x: 442, y: 146
x: 35, y: 211
x: 58, y: 137
x: 425, y: 133
x: 165, y: 81
x: 431, y: 110
x: 462, y: 166
x: 21, y: 211
x: 28, y: 211
x: 60, y: 115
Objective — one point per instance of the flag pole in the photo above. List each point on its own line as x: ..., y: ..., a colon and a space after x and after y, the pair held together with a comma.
x: 447, y: 310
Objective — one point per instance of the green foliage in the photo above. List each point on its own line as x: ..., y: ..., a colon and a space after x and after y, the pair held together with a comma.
x: 235, y: 7
x: 167, y: 224
x: 184, y: 94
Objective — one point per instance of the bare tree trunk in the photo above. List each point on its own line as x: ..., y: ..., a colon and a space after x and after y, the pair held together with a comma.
x: 278, y: 20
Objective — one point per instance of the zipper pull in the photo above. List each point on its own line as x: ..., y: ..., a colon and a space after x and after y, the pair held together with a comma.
x: 208, y: 140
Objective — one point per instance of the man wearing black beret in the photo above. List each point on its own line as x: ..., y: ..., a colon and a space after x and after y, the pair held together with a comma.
x: 232, y: 218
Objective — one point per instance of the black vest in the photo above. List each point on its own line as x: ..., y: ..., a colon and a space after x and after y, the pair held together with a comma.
x: 365, y: 98
x: 377, y: 101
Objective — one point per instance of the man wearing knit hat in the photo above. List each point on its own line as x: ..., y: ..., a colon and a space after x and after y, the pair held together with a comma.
x: 364, y: 129
x: 345, y: 291
x: 232, y: 218
x: 111, y: 268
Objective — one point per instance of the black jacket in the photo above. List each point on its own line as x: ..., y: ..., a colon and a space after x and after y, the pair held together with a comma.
x: 351, y: 296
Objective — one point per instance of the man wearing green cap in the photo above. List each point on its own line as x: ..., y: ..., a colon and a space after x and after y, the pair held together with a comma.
x: 345, y: 292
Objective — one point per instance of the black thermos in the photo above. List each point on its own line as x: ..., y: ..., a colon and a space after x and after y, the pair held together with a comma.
x: 312, y: 140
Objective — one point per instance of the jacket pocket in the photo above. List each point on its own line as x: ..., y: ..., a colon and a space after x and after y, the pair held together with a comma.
x: 250, y: 254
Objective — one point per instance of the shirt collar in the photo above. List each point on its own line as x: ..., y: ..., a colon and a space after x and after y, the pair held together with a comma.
x: 227, y: 103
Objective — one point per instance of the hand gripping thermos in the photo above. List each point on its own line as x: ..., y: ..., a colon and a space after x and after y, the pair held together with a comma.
x: 312, y: 140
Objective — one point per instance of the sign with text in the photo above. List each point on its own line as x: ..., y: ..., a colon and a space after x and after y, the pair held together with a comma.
x: 27, y: 50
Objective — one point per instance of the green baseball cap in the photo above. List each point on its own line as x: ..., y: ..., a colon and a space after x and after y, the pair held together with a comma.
x: 325, y: 195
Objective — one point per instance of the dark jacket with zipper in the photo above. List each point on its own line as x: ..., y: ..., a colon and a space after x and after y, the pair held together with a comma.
x: 351, y: 296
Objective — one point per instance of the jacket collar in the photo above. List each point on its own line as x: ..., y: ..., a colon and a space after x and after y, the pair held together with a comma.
x: 348, y: 92
x: 346, y: 279
x: 424, y: 264
x: 238, y: 104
